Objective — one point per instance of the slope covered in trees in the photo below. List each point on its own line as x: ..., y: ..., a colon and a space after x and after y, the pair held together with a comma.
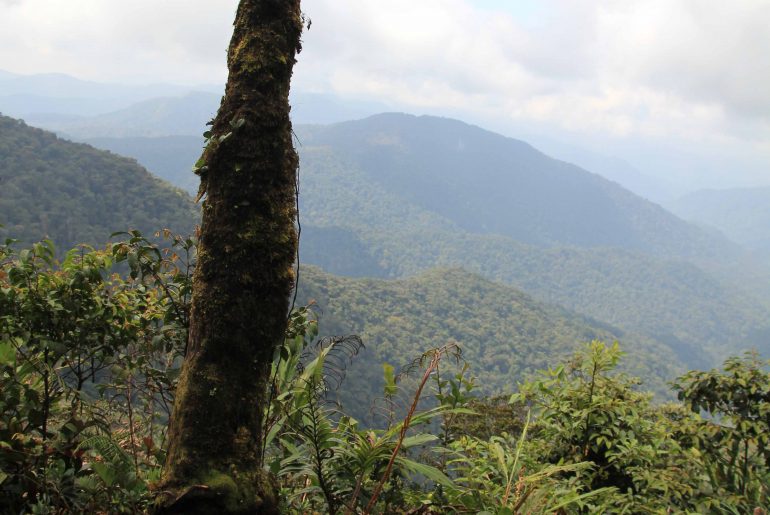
x: 395, y: 195
x: 489, y: 184
x: 579, y: 437
x: 503, y: 332
x: 169, y: 157
x: 353, y: 225
x: 74, y: 193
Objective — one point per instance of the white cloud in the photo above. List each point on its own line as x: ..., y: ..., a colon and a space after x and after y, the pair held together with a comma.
x: 683, y: 68
x: 687, y: 69
x: 166, y: 40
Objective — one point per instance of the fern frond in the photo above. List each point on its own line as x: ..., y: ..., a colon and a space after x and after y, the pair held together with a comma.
x: 110, y: 451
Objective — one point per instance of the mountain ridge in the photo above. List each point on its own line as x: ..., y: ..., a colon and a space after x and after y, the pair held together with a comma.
x: 518, y: 191
x: 75, y: 193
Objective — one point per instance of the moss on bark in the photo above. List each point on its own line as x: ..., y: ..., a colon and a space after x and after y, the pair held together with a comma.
x: 244, y: 275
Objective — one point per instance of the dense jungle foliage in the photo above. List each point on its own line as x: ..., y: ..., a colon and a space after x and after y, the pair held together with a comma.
x: 504, y: 332
x: 353, y: 226
x: 88, y: 363
x: 74, y: 193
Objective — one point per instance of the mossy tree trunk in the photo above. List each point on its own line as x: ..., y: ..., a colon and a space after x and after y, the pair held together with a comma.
x: 244, y: 276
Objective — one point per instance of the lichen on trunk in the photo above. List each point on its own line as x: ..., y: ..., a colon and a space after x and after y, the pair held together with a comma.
x: 244, y: 275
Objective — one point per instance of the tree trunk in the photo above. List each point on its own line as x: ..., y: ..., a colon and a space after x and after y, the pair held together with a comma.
x: 244, y: 276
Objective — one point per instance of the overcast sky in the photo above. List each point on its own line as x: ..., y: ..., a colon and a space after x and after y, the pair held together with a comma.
x: 627, y: 75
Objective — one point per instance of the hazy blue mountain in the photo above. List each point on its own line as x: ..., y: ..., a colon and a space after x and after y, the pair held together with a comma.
x: 406, y: 213
x: 166, y: 116
x: 23, y: 96
x: 73, y: 193
x: 742, y: 214
x: 489, y: 184
x: 86, y: 109
x: 66, y: 86
x: 176, y: 116
x: 324, y: 108
x: 169, y: 157
x: 610, y: 167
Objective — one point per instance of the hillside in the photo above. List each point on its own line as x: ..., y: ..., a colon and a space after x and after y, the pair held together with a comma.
x: 169, y: 157
x: 74, y: 193
x: 352, y: 225
x: 677, y: 303
x: 164, y: 116
x: 504, y: 333
x: 486, y: 183
x: 357, y: 224
x: 741, y: 214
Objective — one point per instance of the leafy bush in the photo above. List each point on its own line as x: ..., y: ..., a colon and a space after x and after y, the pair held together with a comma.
x: 89, y: 354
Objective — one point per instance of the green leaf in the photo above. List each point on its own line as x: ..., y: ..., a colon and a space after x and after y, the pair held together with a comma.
x: 431, y: 473
x: 390, y: 379
x: 105, y: 472
x: 419, y: 439
x: 7, y: 354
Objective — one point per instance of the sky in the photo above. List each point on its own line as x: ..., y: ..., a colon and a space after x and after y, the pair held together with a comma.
x: 679, y: 88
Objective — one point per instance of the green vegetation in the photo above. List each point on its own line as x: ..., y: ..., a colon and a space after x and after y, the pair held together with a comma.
x: 505, y: 333
x: 395, y: 195
x: 74, y: 193
x: 89, y: 357
x: 485, y: 183
x: 88, y: 364
x: 354, y: 226
x: 87, y: 372
x: 168, y: 157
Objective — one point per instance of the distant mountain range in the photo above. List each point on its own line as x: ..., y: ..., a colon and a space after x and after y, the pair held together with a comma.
x: 485, y: 183
x: 75, y: 193
x: 80, y: 109
x: 609, y: 167
x: 24, y: 96
x: 164, y: 116
x: 742, y: 214
x: 395, y: 195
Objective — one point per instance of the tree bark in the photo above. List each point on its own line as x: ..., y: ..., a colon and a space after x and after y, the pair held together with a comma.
x: 244, y: 276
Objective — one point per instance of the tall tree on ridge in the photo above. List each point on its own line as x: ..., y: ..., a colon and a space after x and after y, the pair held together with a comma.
x: 244, y: 276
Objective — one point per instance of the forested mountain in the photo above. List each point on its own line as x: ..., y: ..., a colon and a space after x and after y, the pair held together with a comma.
x: 169, y: 157
x: 504, y: 333
x: 743, y: 214
x: 73, y: 193
x: 677, y: 303
x: 357, y: 221
x: 485, y: 183
x: 610, y: 167
x: 63, y: 95
x: 355, y: 224
x: 178, y: 115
